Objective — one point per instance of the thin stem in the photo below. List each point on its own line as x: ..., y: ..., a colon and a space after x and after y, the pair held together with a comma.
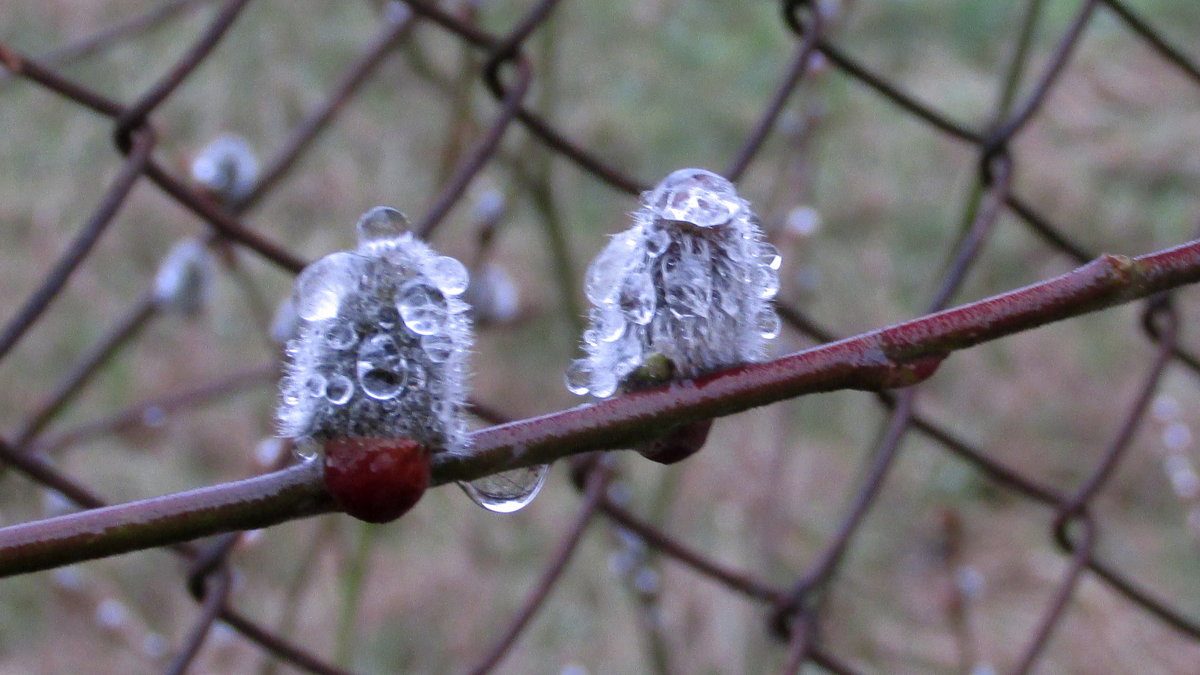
x: 125, y: 330
x: 887, y: 358
x: 101, y: 218
x: 353, y: 580
x: 112, y: 35
x: 892, y: 357
x: 567, y: 545
x: 99, y: 532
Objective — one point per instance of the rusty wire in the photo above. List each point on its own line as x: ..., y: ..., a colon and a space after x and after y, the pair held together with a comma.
x: 795, y: 613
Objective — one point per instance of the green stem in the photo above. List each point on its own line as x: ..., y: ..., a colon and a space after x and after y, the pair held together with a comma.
x: 353, y: 580
x: 294, y: 592
x: 1008, y: 93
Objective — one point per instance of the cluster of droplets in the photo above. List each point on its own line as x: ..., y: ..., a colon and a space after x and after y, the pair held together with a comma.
x: 692, y: 281
x: 382, y: 344
x: 226, y: 167
x: 381, y: 351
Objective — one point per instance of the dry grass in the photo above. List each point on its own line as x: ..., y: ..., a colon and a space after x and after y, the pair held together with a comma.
x: 654, y: 86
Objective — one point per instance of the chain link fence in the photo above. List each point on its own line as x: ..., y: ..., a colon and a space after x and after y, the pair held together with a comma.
x: 1096, y: 603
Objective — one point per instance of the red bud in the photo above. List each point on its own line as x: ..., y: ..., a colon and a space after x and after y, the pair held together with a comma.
x: 679, y: 444
x: 376, y: 479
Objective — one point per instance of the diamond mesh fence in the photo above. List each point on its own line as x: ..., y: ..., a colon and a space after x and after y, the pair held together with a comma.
x: 1032, y: 504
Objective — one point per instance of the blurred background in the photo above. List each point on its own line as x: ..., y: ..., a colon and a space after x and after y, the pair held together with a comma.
x: 950, y: 572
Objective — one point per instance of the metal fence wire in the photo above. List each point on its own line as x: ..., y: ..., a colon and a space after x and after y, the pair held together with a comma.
x: 799, y: 601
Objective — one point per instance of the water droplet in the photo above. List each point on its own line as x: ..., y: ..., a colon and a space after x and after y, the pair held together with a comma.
x: 341, y: 336
x: 604, y: 383
x: 381, y: 369
x: 627, y: 355
x: 437, y: 347
x: 322, y: 285
x: 577, y: 376
x: 291, y: 395
x: 448, y: 274
x: 609, y: 323
x: 637, y: 298
x: 508, y: 491
x: 767, y: 282
x: 603, y: 279
x: 768, y: 323
x: 422, y: 306
x: 315, y: 385
x: 695, y: 196
x: 306, y: 450
x: 380, y: 225
x: 339, y: 389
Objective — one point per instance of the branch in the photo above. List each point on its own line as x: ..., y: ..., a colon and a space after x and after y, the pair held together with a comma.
x: 897, y: 356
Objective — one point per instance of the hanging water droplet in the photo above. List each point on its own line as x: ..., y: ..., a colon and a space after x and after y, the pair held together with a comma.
x: 380, y: 225
x: 448, y: 274
x: 767, y: 282
x: 695, y: 196
x: 322, y: 285
x: 604, y: 383
x: 422, y: 306
x: 602, y: 281
x: 627, y: 356
x: 768, y: 323
x: 609, y: 323
x: 381, y: 368
x: 577, y: 377
x: 306, y: 450
x: 339, y: 389
x: 341, y: 336
x: 508, y: 491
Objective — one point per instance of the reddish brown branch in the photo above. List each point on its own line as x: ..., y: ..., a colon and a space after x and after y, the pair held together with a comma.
x: 891, y: 357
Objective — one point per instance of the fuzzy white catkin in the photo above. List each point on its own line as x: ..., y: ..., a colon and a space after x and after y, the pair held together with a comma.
x: 692, y: 280
x: 227, y: 167
x: 182, y: 284
x: 383, y: 342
